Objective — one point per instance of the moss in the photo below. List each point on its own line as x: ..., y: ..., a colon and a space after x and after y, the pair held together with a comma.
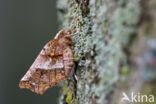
x: 69, y: 98
x: 75, y: 58
x: 68, y: 93
x: 65, y: 89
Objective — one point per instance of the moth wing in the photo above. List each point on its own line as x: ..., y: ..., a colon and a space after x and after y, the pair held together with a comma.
x: 46, y: 71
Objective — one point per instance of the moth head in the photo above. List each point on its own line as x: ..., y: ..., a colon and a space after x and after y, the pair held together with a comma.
x: 64, y: 37
x: 60, y: 34
x: 66, y: 41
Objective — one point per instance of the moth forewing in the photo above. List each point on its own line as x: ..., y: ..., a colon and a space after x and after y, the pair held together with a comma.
x: 51, y: 66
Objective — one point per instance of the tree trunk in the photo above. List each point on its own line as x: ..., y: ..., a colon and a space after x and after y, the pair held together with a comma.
x: 112, y: 44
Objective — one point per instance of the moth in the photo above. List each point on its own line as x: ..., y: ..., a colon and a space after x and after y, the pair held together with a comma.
x: 52, y: 65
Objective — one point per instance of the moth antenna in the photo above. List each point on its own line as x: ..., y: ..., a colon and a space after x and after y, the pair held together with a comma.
x: 69, y: 31
x: 68, y: 35
x: 58, y: 34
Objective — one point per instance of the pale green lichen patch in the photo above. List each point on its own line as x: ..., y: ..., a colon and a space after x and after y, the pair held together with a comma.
x: 98, y: 40
x: 125, y: 19
x: 79, y: 25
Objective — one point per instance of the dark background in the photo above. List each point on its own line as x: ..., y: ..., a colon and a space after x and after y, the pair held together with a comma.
x: 25, y: 27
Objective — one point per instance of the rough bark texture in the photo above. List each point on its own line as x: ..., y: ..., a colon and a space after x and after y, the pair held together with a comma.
x: 108, y: 36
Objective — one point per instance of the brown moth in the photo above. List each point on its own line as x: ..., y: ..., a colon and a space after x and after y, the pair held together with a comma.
x: 51, y: 66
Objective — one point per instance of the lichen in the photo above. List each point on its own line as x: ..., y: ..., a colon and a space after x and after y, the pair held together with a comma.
x: 98, y: 40
x: 125, y: 19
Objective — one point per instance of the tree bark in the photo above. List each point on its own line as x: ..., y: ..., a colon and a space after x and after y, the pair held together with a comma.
x: 110, y: 37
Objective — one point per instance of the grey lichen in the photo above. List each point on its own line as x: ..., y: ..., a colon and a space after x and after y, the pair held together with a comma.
x: 98, y: 40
